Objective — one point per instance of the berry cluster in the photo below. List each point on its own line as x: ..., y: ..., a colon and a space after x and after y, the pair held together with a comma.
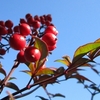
x: 20, y: 37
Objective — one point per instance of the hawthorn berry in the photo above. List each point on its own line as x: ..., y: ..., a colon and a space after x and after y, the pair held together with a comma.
x: 51, y: 29
x: 36, y: 17
x: 50, y: 39
x: 51, y: 48
x: 36, y: 24
x: 20, y: 57
x: 2, y: 23
x: 22, y: 20
x: 28, y: 15
x: 17, y: 41
x: 10, y: 31
x: 30, y: 20
x: 9, y: 24
x: 24, y: 29
x: 32, y: 54
x: 3, y: 30
x: 16, y: 28
x: 48, y: 17
x: 2, y: 51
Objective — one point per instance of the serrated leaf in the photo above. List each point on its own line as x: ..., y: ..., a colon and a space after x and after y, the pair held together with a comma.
x: 2, y: 71
x: 65, y: 62
x: 45, y: 71
x: 12, y: 86
x: 42, y: 98
x: 83, y: 50
x: 41, y: 45
x: 58, y: 95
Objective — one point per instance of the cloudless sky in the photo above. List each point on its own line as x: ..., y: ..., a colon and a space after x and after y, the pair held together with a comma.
x: 78, y: 23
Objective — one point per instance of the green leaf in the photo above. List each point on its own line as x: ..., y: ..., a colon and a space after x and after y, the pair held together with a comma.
x: 83, y: 50
x: 45, y: 71
x: 27, y: 72
x: 2, y: 71
x: 65, y: 62
x: 12, y: 86
x: 31, y: 67
x: 11, y: 78
x: 41, y: 45
x: 67, y: 58
x: 40, y: 63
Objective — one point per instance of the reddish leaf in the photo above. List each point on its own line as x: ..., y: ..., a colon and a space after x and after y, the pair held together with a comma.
x: 80, y: 62
x: 2, y: 71
x: 81, y: 78
x: 12, y: 86
x: 44, y: 77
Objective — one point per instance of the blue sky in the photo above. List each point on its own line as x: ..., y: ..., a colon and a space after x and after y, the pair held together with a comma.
x: 78, y: 23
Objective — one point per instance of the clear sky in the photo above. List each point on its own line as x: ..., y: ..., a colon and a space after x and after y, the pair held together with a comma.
x: 78, y: 22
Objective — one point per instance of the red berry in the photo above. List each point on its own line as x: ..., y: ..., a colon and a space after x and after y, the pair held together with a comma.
x: 16, y: 29
x: 10, y: 31
x: 28, y: 15
x: 30, y: 20
x: 22, y: 20
x: 48, y: 17
x: 2, y: 23
x: 17, y: 41
x: 47, y: 23
x: 32, y: 54
x: 3, y: 30
x: 42, y: 20
x: 2, y: 51
x: 36, y: 24
x: 51, y: 48
x: 50, y: 39
x: 36, y: 17
x: 20, y: 57
x: 24, y: 29
x: 51, y: 29
x: 9, y: 24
